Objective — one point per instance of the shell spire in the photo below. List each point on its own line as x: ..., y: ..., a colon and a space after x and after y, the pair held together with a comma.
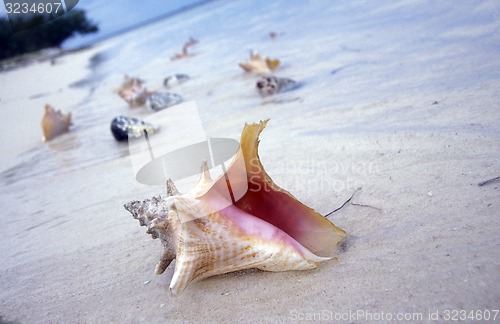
x: 266, y: 228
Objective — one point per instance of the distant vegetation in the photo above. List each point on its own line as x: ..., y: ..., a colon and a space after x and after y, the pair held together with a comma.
x: 37, y: 36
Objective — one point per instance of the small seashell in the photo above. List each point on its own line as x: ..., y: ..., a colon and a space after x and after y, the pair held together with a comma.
x: 175, y: 79
x: 133, y: 91
x: 270, y: 84
x: 54, y: 123
x: 258, y: 64
x: 162, y: 100
x: 123, y: 128
x: 190, y: 43
x: 265, y: 227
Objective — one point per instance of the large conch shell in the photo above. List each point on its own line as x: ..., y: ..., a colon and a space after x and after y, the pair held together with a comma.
x: 54, y: 123
x: 267, y: 228
x: 259, y: 65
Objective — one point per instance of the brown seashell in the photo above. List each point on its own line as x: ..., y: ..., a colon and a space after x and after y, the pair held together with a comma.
x: 266, y: 228
x: 133, y: 91
x: 258, y: 64
x: 190, y: 43
x: 54, y: 123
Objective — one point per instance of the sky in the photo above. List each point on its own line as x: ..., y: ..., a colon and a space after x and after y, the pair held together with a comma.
x: 113, y: 16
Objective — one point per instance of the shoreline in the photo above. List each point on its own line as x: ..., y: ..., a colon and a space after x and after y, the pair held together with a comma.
x: 28, y: 87
x: 41, y: 56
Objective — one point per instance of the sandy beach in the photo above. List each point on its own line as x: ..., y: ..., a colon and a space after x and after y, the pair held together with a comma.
x: 398, y: 99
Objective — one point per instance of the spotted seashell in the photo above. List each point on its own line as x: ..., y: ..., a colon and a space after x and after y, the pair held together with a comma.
x: 124, y: 128
x: 162, y: 100
x: 269, y: 84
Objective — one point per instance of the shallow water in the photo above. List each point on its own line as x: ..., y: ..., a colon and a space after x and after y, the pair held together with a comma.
x: 327, y: 54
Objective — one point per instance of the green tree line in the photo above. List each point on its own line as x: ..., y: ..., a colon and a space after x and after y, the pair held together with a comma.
x: 39, y: 32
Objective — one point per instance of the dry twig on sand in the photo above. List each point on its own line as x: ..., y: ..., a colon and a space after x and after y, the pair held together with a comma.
x: 482, y: 183
x: 354, y: 204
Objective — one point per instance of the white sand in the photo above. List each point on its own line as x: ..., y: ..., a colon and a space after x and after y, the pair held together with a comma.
x: 410, y: 114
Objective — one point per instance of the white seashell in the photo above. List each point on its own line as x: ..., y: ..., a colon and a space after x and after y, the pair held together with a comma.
x: 267, y: 228
x: 175, y: 79
x: 259, y: 65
